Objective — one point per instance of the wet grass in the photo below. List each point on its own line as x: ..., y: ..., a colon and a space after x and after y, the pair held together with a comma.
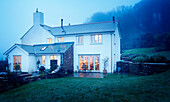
x: 111, y: 88
x: 147, y: 51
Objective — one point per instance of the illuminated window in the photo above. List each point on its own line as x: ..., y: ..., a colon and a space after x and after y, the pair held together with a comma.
x: 97, y: 38
x: 42, y: 49
x: 89, y: 62
x: 43, y: 59
x: 60, y: 39
x: 48, y: 40
x: 53, y: 57
x: 79, y: 39
x: 17, y: 60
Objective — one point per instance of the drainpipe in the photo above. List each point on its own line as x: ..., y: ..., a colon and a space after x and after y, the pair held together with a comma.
x: 111, y: 52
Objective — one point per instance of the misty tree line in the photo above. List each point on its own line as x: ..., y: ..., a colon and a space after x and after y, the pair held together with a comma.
x: 146, y: 17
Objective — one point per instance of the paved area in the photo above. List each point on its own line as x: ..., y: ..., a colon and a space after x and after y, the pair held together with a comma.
x: 89, y: 75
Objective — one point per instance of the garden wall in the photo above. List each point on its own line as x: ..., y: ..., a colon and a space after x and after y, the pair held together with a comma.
x: 3, y: 65
x: 142, y: 68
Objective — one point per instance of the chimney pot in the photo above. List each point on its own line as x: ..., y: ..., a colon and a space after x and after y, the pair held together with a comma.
x: 113, y: 19
x: 61, y: 22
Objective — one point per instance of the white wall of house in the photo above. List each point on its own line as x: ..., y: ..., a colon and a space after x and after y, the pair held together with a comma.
x: 24, y: 59
x: 36, y: 35
x: 103, y: 49
x: 32, y: 63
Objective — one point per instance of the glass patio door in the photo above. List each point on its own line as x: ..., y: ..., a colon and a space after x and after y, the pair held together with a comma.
x: 89, y: 62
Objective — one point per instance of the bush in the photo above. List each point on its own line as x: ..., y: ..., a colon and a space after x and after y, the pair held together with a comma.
x: 140, y: 59
x: 42, y: 68
x: 17, y: 67
x: 158, y: 59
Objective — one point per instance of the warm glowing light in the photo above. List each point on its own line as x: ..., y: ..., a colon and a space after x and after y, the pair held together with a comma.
x: 48, y: 40
x: 60, y: 39
x: 43, y: 59
x: 43, y: 48
x: 96, y: 38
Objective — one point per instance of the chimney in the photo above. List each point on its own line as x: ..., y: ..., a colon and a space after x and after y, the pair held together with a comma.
x: 113, y: 19
x: 38, y: 18
x: 61, y: 23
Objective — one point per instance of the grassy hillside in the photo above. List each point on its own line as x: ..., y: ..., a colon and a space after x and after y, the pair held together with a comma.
x: 147, y: 51
x: 111, y: 88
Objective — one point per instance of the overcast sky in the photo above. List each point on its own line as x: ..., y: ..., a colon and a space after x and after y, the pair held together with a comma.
x: 16, y: 16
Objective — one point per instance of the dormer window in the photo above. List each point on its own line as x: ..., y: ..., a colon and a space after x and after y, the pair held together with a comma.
x: 79, y: 39
x: 48, y: 40
x: 60, y: 39
x: 96, y: 38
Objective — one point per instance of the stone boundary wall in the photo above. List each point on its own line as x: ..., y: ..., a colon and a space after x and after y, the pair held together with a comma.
x: 3, y: 65
x: 141, y: 68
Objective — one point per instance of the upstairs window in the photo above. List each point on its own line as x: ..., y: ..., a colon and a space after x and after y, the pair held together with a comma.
x: 60, y: 39
x: 79, y: 39
x: 48, y: 40
x: 97, y: 38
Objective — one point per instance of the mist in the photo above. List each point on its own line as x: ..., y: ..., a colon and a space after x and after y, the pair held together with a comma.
x: 147, y: 16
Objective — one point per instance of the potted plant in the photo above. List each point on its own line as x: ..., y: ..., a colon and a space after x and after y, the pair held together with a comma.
x: 105, y: 61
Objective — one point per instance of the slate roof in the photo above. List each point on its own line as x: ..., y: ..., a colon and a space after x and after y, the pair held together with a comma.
x: 82, y: 28
x: 43, y: 48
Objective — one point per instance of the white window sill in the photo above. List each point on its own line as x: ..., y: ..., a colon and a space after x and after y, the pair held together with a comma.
x: 96, y: 43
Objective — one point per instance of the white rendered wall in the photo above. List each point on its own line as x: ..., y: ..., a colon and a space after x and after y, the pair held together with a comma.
x: 115, y: 49
x: 32, y: 63
x: 36, y: 35
x: 87, y: 48
x: 24, y: 59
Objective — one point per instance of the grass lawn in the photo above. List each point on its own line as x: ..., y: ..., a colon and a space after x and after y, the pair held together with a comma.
x: 111, y: 88
x: 147, y: 51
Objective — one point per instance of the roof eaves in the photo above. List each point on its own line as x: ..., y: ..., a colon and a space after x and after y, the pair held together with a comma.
x: 85, y: 33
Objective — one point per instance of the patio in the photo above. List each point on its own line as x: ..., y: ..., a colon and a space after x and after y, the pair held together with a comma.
x: 89, y: 75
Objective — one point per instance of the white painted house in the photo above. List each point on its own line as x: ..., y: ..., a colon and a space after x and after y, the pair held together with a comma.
x: 83, y: 43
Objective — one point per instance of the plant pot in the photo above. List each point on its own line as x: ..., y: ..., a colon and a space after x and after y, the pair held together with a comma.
x: 104, y: 71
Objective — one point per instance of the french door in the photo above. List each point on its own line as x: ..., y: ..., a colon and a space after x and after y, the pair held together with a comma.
x: 17, y: 61
x: 89, y: 62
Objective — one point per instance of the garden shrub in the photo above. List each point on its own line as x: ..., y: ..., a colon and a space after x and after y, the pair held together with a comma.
x: 42, y: 68
x: 158, y: 59
x: 140, y: 59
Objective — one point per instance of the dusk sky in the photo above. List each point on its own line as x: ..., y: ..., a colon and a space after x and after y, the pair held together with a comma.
x: 16, y: 16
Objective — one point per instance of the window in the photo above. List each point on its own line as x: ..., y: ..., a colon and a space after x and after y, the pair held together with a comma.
x: 89, y: 62
x: 42, y: 49
x: 97, y: 38
x: 53, y: 57
x: 48, y: 40
x: 60, y: 39
x: 79, y: 39
x: 17, y: 60
x: 43, y: 59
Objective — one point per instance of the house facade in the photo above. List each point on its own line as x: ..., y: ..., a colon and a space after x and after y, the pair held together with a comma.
x: 75, y: 46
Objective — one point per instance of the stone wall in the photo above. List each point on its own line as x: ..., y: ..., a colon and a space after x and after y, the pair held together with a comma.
x: 142, y: 68
x: 68, y: 60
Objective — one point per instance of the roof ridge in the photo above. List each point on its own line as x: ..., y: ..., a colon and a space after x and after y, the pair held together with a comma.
x: 87, y: 24
x: 23, y: 44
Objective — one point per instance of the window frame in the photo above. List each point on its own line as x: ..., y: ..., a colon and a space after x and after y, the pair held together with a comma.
x: 43, y: 61
x: 17, y: 61
x: 61, y: 39
x: 48, y: 42
x: 98, y: 39
x: 78, y: 39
